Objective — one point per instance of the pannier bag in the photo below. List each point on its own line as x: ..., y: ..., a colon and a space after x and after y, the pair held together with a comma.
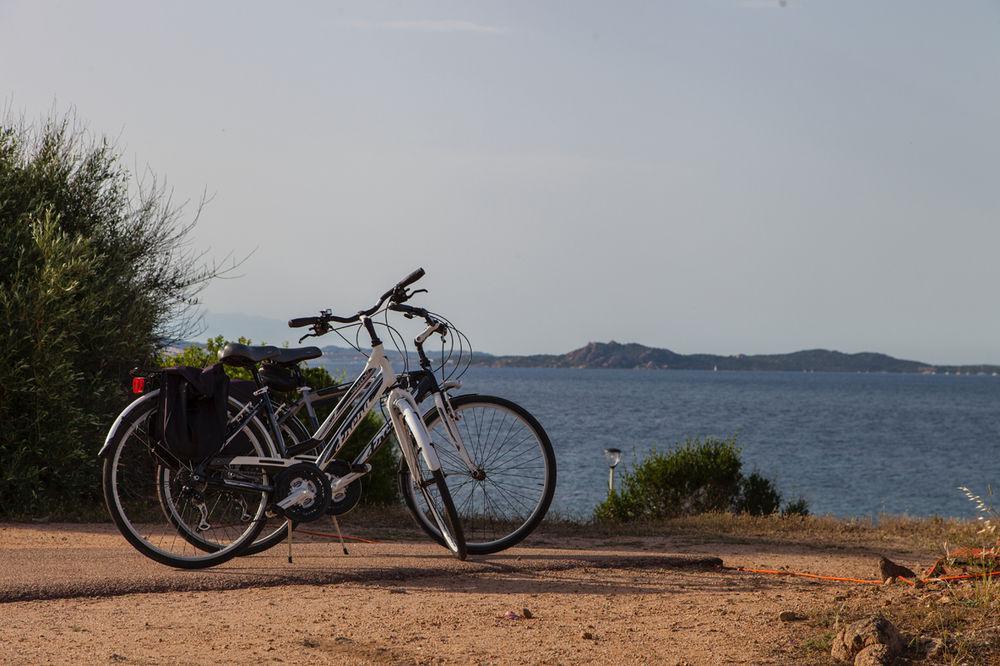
x: 193, y: 411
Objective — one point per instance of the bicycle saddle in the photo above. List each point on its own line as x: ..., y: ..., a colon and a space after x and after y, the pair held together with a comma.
x: 236, y: 354
x: 295, y: 355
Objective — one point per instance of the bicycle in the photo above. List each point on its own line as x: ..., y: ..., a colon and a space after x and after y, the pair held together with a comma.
x: 302, y: 487
x: 499, y: 453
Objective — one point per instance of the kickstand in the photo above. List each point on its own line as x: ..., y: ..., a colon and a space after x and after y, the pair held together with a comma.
x: 339, y: 535
x: 289, y: 524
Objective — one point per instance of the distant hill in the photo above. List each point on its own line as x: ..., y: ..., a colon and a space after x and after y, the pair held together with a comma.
x: 635, y: 356
x: 632, y: 355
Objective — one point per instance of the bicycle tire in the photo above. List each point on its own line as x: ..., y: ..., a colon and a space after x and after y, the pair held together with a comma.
x: 454, y: 468
x: 458, y: 547
x: 272, y: 537
x: 118, y: 439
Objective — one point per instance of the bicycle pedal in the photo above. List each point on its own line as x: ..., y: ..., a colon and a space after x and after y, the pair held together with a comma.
x: 341, y: 468
x: 338, y: 468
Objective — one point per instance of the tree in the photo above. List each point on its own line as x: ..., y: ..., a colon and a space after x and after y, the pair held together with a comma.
x: 96, y: 274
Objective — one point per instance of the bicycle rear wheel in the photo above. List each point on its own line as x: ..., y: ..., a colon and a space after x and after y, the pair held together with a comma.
x: 276, y: 528
x: 506, y: 498
x: 167, y: 514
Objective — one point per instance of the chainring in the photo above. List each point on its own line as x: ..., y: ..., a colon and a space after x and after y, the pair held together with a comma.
x: 293, y: 478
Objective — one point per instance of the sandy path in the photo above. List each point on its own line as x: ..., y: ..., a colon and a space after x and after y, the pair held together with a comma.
x: 405, y: 602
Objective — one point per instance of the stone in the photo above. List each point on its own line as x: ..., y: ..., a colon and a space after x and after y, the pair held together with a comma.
x: 889, y: 570
x: 936, y: 648
x: 587, y: 636
x: 874, y: 655
x: 790, y: 616
x: 527, y: 614
x: 855, y: 637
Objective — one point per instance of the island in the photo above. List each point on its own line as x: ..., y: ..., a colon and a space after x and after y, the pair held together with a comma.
x: 636, y: 356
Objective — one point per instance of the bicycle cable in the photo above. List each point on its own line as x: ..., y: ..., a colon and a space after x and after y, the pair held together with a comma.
x: 393, y: 334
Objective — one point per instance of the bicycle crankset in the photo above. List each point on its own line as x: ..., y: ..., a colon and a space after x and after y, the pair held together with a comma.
x: 349, y: 497
x: 308, y: 490
x: 346, y: 500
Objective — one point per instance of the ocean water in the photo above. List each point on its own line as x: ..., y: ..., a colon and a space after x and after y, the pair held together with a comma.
x: 850, y: 444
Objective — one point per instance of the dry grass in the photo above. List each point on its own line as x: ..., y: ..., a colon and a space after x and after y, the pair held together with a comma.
x: 956, y: 624
x: 890, y: 532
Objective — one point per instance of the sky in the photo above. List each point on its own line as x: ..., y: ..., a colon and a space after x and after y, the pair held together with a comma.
x: 714, y: 176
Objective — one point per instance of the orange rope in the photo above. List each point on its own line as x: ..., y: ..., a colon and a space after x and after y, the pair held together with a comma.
x: 928, y: 577
x: 334, y: 536
x: 803, y: 574
x: 965, y: 576
x: 862, y: 581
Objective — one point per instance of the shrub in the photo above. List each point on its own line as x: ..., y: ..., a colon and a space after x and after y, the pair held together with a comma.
x: 699, y: 476
x: 798, y: 507
x: 93, y: 275
x: 758, y: 496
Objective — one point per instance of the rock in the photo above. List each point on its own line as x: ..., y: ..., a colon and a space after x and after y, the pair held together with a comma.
x: 511, y: 615
x: 889, y: 570
x: 587, y: 636
x: 874, y: 655
x: 527, y: 614
x: 790, y: 616
x: 936, y: 648
x: 857, y: 636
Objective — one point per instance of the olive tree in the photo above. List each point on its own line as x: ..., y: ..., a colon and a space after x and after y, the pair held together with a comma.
x: 96, y: 274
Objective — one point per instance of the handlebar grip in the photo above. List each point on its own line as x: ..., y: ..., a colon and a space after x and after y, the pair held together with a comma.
x: 411, y: 278
x: 303, y: 321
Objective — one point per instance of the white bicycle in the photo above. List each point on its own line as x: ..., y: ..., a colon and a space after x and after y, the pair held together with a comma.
x: 195, y: 515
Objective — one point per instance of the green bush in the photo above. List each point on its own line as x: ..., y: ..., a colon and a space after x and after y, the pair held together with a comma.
x: 758, y: 496
x: 94, y: 273
x: 798, y: 507
x: 699, y: 476
x: 379, y: 485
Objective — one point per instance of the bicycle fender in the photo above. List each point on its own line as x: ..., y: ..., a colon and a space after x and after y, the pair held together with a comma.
x: 419, y: 432
x: 121, y: 417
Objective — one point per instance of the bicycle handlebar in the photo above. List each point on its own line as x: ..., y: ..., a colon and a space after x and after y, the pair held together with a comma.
x: 299, y: 322
x: 398, y: 294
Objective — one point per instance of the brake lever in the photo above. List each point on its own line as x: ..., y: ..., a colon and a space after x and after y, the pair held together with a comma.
x: 318, y: 329
x: 402, y: 294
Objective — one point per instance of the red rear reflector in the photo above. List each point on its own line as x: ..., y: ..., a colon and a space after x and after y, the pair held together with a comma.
x: 138, y: 384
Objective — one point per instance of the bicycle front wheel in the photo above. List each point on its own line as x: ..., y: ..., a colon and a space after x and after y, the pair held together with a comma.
x: 429, y: 500
x: 507, y: 496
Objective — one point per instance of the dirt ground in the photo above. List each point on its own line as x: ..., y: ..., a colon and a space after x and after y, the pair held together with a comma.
x: 79, y: 593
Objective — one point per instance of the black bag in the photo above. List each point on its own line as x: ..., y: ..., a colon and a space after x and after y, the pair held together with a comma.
x: 281, y: 377
x: 242, y: 389
x: 192, y: 411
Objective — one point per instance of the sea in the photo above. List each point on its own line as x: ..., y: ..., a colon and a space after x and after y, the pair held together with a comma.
x: 850, y: 444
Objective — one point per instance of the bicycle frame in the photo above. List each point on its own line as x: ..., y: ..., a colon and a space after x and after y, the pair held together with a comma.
x: 377, y: 380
